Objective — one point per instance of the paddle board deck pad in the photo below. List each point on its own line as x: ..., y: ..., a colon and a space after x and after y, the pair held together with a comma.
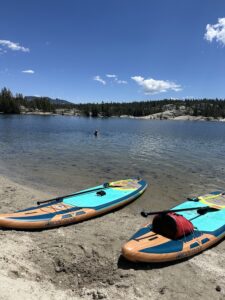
x: 77, y: 207
x: 209, y: 227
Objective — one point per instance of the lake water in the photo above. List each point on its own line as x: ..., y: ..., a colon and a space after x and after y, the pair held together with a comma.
x: 60, y: 154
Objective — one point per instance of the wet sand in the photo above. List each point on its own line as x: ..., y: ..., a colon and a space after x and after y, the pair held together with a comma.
x: 83, y: 261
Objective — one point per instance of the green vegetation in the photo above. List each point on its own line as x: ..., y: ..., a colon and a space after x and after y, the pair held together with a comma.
x: 196, y: 107
x: 10, y: 104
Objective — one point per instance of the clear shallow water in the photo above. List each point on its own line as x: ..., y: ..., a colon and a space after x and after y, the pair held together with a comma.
x: 61, y: 154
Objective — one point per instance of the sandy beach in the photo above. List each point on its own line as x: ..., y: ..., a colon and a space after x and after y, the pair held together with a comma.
x: 83, y: 261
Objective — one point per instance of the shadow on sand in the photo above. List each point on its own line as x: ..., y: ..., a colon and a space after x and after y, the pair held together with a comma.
x: 125, y: 264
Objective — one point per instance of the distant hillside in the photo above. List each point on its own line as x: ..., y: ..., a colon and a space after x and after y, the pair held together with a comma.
x: 51, y: 100
x: 162, y: 109
x: 188, y: 109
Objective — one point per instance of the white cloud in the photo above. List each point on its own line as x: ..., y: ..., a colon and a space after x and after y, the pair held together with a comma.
x: 28, y: 71
x: 13, y: 46
x: 99, y: 79
x: 109, y: 78
x: 216, y: 31
x: 121, y: 81
x: 115, y: 78
x: 2, y: 51
x: 152, y: 86
x: 111, y: 75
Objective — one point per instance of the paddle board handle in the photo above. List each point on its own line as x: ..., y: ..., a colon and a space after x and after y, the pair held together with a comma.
x: 195, y: 199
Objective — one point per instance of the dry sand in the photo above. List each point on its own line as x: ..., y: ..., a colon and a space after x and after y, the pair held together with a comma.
x: 83, y: 261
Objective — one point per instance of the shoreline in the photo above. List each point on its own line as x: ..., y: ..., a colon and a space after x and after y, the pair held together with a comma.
x: 178, y: 118
x: 159, y: 116
x: 82, y: 261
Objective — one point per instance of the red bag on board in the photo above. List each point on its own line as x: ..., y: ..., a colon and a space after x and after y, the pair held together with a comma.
x: 172, y: 225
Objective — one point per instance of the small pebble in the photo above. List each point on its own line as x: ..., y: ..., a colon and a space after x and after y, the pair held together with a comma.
x: 110, y: 281
x: 162, y: 290
x: 218, y: 288
x: 138, y: 292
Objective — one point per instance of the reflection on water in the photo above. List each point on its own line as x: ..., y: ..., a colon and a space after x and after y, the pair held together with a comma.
x: 62, y: 154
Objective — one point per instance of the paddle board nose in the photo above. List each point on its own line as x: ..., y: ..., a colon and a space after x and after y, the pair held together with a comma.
x: 129, y: 252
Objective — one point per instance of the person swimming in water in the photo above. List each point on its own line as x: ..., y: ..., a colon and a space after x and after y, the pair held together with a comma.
x: 96, y: 133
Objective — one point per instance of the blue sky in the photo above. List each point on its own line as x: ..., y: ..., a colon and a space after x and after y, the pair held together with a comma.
x: 113, y: 50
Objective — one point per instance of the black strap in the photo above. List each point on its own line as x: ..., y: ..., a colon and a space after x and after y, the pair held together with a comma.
x: 101, y: 193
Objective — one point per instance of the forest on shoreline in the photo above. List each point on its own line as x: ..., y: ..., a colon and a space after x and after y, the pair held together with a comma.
x: 10, y: 104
